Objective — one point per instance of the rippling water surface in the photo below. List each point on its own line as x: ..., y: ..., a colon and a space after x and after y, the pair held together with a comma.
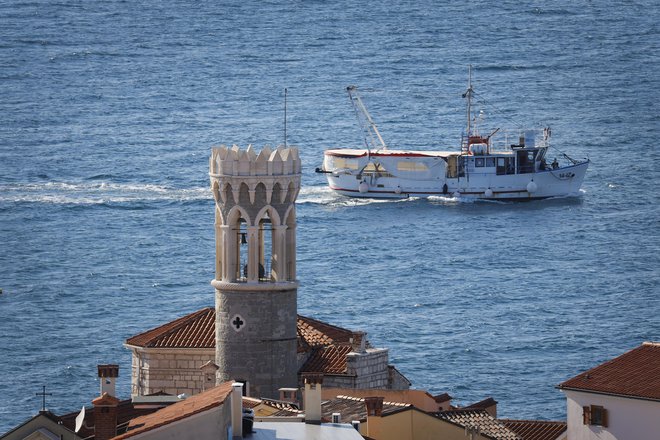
x: 109, y: 110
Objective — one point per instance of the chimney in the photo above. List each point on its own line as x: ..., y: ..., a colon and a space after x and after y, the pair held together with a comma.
x: 105, y: 417
x: 374, y: 406
x: 237, y: 410
x: 374, y: 412
x: 359, y: 342
x: 208, y: 372
x: 108, y: 377
x: 312, y: 397
x: 289, y: 395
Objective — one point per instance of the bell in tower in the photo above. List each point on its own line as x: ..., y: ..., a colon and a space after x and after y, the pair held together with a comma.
x: 255, y: 268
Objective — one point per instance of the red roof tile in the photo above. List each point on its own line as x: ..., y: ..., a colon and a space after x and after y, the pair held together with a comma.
x: 315, y: 333
x: 487, y: 424
x: 633, y: 374
x: 535, y: 429
x: 328, y: 360
x: 353, y: 408
x: 196, y: 404
x: 196, y: 330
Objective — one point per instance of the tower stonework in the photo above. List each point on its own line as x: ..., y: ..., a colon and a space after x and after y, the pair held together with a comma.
x: 255, y: 267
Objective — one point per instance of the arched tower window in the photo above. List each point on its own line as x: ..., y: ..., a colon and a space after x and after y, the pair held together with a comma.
x: 265, y: 248
x: 290, y: 244
x: 241, y: 240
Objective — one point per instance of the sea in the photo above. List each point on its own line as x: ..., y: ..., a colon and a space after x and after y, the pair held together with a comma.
x: 109, y: 111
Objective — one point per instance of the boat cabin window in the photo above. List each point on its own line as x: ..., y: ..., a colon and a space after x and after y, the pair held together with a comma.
x: 376, y: 169
x: 343, y: 163
x: 479, y: 162
x: 490, y: 162
x: 406, y: 165
x: 505, y: 165
x: 526, y: 160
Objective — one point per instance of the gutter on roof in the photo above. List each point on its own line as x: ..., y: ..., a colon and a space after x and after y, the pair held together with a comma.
x: 605, y: 393
x: 168, y: 349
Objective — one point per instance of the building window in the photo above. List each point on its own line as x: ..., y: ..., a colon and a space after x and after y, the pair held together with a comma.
x: 594, y: 415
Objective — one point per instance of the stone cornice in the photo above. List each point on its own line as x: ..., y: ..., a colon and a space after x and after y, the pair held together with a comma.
x: 254, y: 286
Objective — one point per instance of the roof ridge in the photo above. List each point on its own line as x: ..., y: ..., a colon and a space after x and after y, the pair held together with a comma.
x: 558, y: 422
x: 325, y: 324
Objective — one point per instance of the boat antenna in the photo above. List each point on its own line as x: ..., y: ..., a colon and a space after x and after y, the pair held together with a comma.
x: 367, y: 124
x: 285, y: 93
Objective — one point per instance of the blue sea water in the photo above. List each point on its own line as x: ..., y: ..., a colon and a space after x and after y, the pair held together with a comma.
x: 108, y: 112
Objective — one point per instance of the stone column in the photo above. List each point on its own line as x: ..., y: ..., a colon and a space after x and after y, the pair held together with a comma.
x: 253, y: 253
x: 279, y: 253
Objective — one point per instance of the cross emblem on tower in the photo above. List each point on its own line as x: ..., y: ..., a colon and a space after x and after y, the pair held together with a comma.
x: 237, y: 323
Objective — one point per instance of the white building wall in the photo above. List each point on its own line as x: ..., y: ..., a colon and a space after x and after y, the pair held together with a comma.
x: 172, y: 371
x: 628, y: 419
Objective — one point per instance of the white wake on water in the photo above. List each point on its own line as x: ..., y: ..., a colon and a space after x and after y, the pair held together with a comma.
x: 94, y: 193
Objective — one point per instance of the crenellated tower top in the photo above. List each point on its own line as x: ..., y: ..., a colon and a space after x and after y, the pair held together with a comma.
x: 277, y: 169
x: 255, y: 196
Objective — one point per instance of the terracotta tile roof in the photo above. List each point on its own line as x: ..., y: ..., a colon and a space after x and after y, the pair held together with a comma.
x: 196, y: 330
x: 316, y: 333
x: 279, y: 405
x: 196, y: 404
x: 635, y: 374
x: 251, y: 402
x: 327, y: 360
x: 481, y: 420
x: 535, y: 429
x: 353, y: 408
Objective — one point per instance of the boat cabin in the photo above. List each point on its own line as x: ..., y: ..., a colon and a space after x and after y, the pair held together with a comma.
x: 519, y: 161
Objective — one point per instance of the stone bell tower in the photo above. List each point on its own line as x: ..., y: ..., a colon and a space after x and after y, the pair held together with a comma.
x: 255, y: 267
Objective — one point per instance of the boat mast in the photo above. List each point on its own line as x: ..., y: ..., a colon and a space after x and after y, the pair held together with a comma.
x: 367, y: 124
x: 468, y: 94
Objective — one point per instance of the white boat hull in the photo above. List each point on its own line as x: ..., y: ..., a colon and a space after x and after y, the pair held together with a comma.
x: 561, y: 182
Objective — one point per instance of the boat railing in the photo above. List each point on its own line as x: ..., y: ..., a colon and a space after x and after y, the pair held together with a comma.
x: 507, y: 140
x: 511, y: 139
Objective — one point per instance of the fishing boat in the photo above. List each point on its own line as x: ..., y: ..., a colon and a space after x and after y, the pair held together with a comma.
x: 503, y: 164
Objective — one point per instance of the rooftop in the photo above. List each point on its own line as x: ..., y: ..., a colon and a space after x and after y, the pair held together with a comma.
x: 634, y: 374
x: 535, y: 429
x: 353, y: 408
x: 327, y: 343
x: 196, y: 330
x: 192, y: 405
x: 481, y: 421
